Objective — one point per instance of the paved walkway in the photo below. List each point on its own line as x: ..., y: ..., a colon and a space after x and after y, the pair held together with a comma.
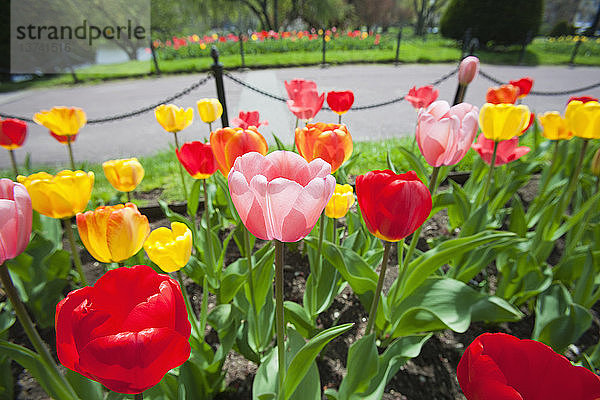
x: 142, y: 135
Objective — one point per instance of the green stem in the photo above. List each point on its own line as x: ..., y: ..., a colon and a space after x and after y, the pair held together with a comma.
x: 433, y: 180
x: 74, y: 252
x: 128, y: 196
x: 491, y: 172
x: 401, y: 269
x: 574, y: 180
x: 251, y: 279
x: 204, y: 305
x: 29, y: 328
x: 13, y: 161
x: 70, y: 153
x: 374, y: 304
x: 209, y: 129
x: 139, y: 396
x: 295, y: 127
x: 320, y: 244
x: 280, y: 325
x: 551, y: 170
x: 415, y: 236
x: 188, y: 306
x: 185, y: 192
x: 335, y: 234
x: 209, y: 248
x: 340, y: 119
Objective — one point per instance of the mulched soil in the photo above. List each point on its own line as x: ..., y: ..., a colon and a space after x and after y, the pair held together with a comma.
x: 431, y: 375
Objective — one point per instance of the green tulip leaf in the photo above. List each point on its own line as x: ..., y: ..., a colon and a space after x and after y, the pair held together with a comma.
x: 442, y: 303
x: 305, y: 357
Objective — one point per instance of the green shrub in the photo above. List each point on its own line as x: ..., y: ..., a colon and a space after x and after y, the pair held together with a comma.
x: 562, y: 28
x: 493, y: 22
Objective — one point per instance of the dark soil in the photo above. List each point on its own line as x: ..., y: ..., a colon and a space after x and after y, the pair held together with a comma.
x: 429, y: 376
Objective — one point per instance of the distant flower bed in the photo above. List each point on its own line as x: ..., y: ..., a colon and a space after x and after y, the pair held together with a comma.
x: 272, y: 42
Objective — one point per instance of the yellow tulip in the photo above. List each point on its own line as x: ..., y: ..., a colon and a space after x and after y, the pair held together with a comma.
x: 124, y: 175
x: 170, y: 249
x: 554, y: 126
x: 503, y: 121
x: 62, y: 121
x: 172, y: 118
x: 583, y: 119
x: 59, y: 196
x: 113, y: 233
x: 209, y: 109
x: 340, y: 202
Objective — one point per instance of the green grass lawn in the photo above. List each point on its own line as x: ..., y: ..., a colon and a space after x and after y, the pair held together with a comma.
x: 162, y: 169
x: 543, y: 51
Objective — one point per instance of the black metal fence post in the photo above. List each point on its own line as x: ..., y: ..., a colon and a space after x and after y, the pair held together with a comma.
x: 154, y: 59
x: 473, y: 46
x: 241, y: 39
x: 575, y: 50
x: 466, y: 42
x: 398, y: 45
x: 217, y: 69
x: 324, y: 47
x: 527, y: 40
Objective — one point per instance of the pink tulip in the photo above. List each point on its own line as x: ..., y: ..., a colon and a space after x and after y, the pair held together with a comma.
x: 305, y: 101
x: 248, y: 118
x: 444, y: 133
x: 422, y: 97
x: 15, y: 214
x: 280, y: 195
x: 508, y: 150
x: 468, y: 69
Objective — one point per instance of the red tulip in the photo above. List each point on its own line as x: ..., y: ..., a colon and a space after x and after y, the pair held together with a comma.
x: 497, y: 366
x: 422, y: 97
x: 393, y: 206
x: 12, y: 133
x: 305, y: 101
x: 508, y: 150
x: 198, y: 159
x: 505, y: 94
x: 64, y: 139
x: 583, y: 99
x: 340, y: 102
x: 247, y: 119
x: 127, y: 331
x: 524, y: 85
x: 16, y: 215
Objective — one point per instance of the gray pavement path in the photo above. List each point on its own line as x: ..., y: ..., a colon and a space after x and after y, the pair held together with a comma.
x: 142, y: 135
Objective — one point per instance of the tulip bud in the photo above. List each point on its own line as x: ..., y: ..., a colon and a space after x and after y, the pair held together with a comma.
x: 468, y: 69
x: 595, y: 168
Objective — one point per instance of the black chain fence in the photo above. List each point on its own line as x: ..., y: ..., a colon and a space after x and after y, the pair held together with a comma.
x: 541, y: 93
x: 133, y: 113
x: 284, y: 99
x: 354, y: 108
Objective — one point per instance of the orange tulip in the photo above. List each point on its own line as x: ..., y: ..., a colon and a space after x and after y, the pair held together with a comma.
x: 502, y: 94
x: 113, y: 233
x: 331, y: 142
x: 230, y: 143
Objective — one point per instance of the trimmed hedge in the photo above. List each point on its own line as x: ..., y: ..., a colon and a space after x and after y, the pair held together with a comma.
x: 493, y: 22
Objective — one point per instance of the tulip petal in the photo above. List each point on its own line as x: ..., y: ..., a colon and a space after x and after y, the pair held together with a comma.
x: 131, y: 362
x: 126, y: 232
x: 282, y: 194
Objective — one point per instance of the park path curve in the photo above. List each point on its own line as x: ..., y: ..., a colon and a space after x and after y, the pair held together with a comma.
x: 142, y: 135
